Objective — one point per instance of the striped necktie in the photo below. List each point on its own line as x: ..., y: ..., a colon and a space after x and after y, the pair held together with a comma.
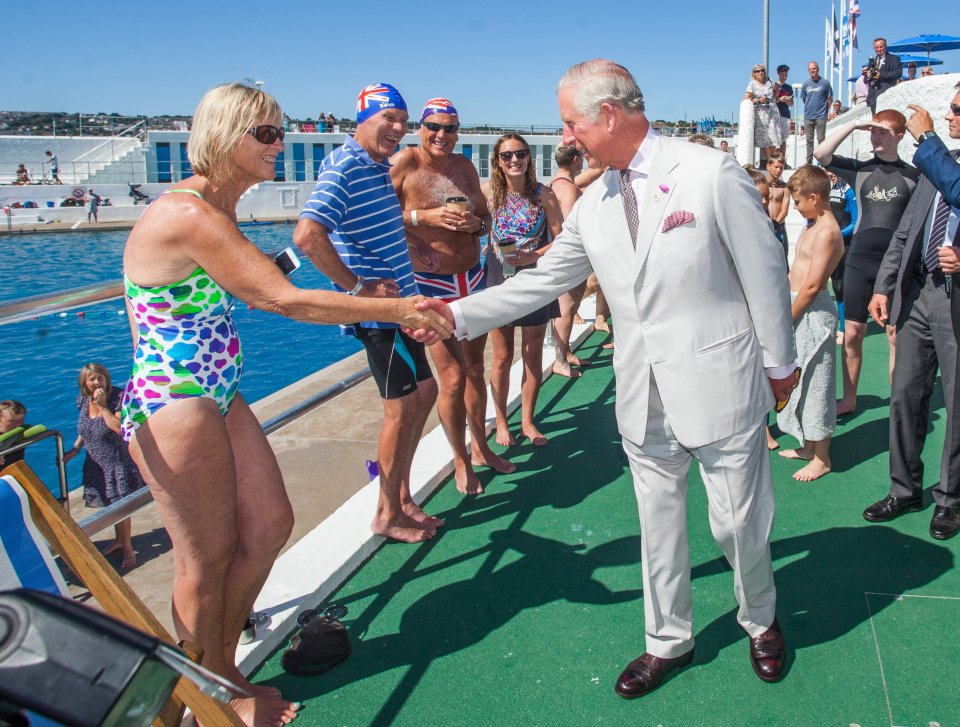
x: 938, y: 232
x: 629, y: 204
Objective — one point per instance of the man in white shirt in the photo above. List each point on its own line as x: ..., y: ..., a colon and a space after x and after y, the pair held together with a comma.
x: 696, y: 361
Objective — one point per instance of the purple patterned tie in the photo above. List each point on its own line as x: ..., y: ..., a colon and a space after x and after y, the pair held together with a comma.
x: 629, y: 205
x: 938, y: 231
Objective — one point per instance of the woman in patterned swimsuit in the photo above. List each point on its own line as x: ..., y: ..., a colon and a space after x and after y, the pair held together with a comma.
x: 526, y: 218
x: 200, y: 449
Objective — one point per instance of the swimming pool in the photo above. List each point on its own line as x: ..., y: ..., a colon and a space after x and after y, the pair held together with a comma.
x: 41, y: 358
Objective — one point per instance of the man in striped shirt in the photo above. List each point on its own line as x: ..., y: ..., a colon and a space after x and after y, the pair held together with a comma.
x: 352, y: 231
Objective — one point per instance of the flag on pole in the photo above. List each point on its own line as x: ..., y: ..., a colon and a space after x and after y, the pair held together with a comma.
x: 854, y: 12
x: 836, y: 41
x: 827, y: 44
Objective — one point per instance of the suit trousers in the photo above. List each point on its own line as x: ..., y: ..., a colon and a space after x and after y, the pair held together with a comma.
x: 925, y: 341
x: 809, y: 125
x: 736, y: 473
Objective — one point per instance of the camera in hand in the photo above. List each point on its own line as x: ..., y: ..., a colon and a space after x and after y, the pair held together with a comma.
x: 873, y: 70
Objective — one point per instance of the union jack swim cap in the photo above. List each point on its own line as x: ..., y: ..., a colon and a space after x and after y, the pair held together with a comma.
x: 438, y: 106
x: 377, y: 97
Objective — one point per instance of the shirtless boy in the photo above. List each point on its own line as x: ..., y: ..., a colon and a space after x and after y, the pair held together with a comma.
x: 811, y: 413
x: 444, y: 214
x: 779, y: 199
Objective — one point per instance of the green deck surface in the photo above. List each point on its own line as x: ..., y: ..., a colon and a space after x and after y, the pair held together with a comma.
x: 528, y: 604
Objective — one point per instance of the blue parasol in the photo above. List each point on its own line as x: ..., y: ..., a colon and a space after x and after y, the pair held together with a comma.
x: 925, y: 43
x: 921, y: 61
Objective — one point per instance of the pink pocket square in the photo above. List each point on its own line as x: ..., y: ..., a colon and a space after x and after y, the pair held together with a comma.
x: 675, y: 219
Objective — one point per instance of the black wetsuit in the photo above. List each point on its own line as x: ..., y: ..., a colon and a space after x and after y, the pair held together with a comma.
x: 883, y: 190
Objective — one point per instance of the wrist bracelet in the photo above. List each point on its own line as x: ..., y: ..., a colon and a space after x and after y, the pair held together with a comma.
x: 358, y: 287
x: 413, y: 218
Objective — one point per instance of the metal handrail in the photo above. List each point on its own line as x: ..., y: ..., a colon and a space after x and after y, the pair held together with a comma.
x: 61, y: 468
x: 109, y: 141
x: 23, y: 309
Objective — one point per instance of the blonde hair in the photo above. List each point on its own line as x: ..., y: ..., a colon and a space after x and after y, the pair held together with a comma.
x: 13, y: 406
x: 224, y: 115
x: 92, y: 368
x: 808, y: 180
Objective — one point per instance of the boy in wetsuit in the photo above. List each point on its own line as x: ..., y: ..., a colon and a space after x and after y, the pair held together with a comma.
x: 882, y: 186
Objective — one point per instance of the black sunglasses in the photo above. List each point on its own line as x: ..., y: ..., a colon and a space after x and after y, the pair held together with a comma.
x: 434, y: 126
x: 520, y: 154
x: 266, y: 134
x: 954, y: 109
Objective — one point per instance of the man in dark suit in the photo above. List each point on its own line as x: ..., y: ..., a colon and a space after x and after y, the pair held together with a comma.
x: 885, y: 72
x: 919, y: 274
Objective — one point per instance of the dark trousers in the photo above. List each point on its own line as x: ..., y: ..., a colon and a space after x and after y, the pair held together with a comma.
x: 809, y: 125
x: 925, y: 342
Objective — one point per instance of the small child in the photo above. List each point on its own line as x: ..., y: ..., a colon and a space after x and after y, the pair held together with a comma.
x: 12, y: 414
x: 779, y: 199
x: 811, y: 413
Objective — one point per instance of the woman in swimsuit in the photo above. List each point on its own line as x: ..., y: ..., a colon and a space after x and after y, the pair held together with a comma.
x: 526, y: 218
x: 215, y: 480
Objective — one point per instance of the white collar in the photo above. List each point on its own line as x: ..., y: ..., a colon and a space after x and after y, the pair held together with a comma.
x: 640, y: 164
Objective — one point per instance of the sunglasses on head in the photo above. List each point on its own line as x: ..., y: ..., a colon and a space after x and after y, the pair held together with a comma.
x: 266, y: 134
x: 434, y: 126
x: 520, y: 154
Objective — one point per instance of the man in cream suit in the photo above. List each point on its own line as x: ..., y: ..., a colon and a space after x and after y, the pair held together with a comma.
x: 697, y: 284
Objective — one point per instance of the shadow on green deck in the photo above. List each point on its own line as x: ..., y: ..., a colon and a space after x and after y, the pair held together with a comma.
x: 528, y: 605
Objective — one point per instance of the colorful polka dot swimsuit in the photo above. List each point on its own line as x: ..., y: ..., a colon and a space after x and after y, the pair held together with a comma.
x: 187, y: 347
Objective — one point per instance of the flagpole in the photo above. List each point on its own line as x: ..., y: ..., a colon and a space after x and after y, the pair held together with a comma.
x: 850, y: 85
x: 834, y: 75
x: 766, y: 35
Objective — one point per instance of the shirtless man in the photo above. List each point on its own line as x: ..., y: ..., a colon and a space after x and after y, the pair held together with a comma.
x: 444, y: 214
x: 779, y: 199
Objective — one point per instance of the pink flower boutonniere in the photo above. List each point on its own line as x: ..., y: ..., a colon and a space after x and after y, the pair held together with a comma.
x: 675, y: 219
x: 664, y: 188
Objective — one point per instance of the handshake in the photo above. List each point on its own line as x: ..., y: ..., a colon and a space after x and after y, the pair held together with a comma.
x: 427, y: 320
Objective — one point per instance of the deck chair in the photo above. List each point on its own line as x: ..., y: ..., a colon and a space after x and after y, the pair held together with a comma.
x: 27, y: 510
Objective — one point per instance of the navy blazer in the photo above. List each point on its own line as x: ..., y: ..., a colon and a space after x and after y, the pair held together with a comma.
x: 941, y: 173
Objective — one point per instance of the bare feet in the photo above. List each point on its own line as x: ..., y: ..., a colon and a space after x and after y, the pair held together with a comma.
x: 129, y: 560
x: 533, y: 434
x: 578, y: 319
x: 467, y: 481
x: 601, y: 325
x: 574, y: 360
x: 264, y: 710
x: 494, y: 461
x: 608, y: 345
x: 772, y: 443
x: 846, y: 406
x: 412, y: 510
x: 504, y: 437
x: 404, y: 528
x: 237, y: 677
x: 563, y: 368
x: 799, y: 453
x: 113, y: 547
x: 816, y: 469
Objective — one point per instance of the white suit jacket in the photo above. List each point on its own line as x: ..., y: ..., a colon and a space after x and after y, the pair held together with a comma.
x: 704, y: 307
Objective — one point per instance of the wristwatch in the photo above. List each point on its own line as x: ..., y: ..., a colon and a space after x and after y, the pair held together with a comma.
x: 926, y: 135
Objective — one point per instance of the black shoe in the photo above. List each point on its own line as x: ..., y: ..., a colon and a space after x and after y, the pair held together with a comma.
x: 892, y: 507
x: 945, y: 523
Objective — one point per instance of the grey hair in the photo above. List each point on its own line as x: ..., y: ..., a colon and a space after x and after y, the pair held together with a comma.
x: 601, y: 81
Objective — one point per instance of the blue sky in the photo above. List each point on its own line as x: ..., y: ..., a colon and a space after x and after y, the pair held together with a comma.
x: 498, y: 65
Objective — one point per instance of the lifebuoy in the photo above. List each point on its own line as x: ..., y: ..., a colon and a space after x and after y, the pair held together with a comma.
x: 77, y: 193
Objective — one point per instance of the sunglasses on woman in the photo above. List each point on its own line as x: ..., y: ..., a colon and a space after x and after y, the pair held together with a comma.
x: 520, y: 154
x: 266, y: 134
x: 435, y: 127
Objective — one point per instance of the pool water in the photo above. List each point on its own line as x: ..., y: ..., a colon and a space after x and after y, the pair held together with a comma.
x: 42, y: 357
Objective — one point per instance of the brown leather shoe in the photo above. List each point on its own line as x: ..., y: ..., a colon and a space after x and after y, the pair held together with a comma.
x: 767, y: 653
x: 645, y: 673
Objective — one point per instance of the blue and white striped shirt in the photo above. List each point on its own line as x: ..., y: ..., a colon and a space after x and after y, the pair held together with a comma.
x: 355, y: 201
